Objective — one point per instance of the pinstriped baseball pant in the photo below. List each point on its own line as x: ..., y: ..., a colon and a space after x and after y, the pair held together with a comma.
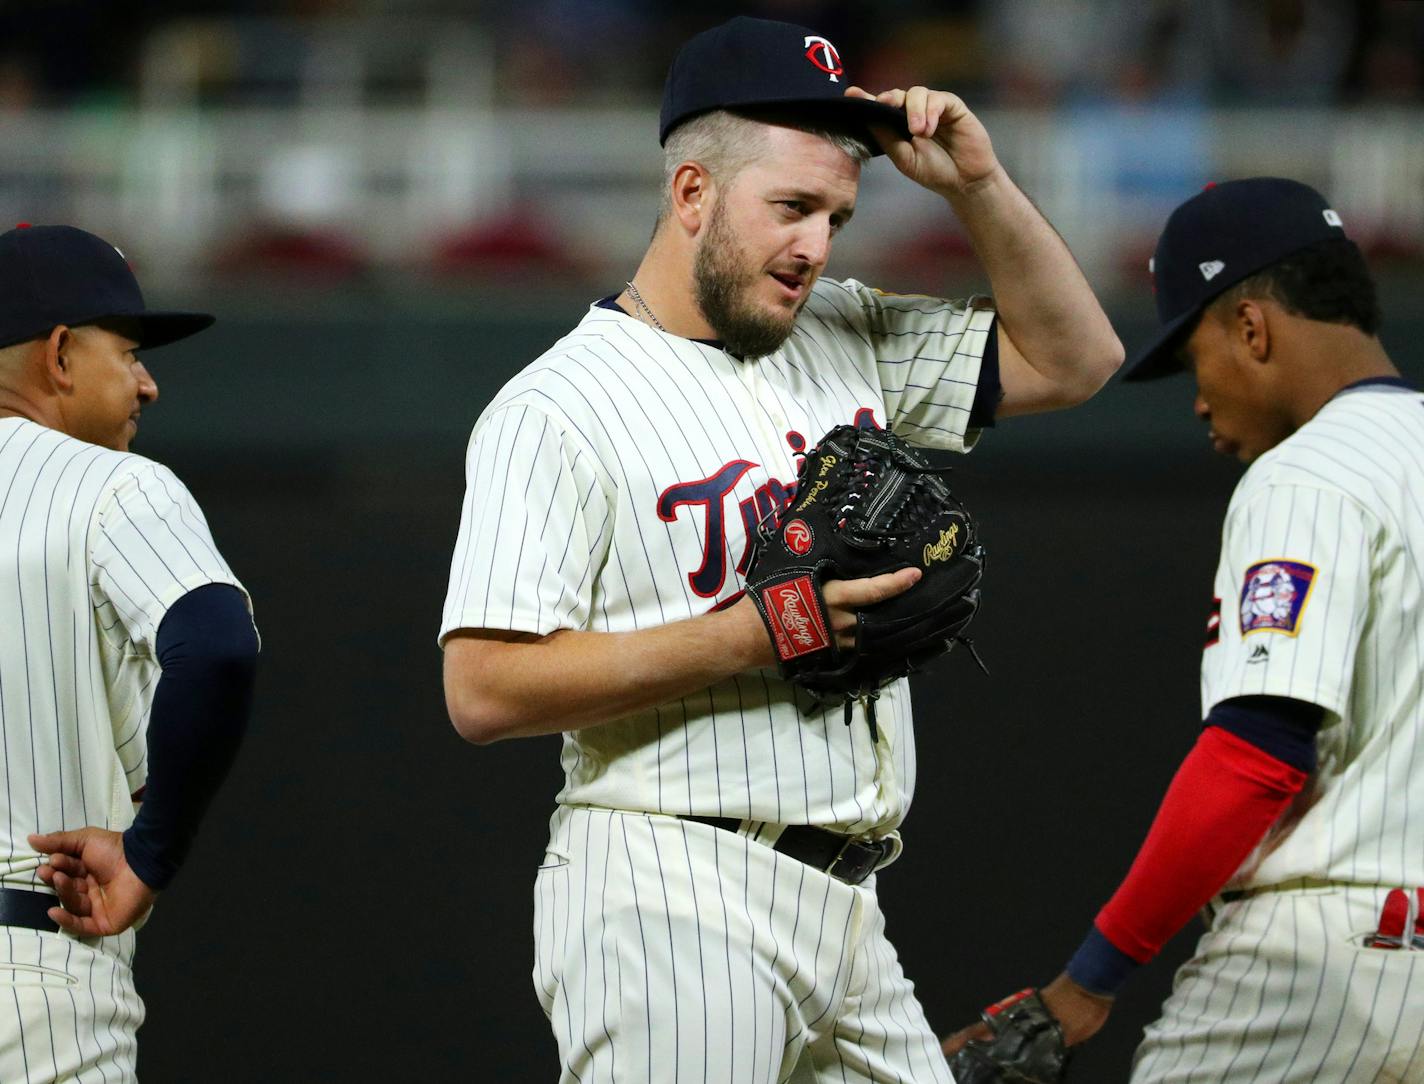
x: 670, y: 951
x: 68, y: 1008
x: 1281, y: 990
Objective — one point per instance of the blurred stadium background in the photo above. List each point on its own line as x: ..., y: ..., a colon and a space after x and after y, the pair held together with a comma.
x: 393, y: 206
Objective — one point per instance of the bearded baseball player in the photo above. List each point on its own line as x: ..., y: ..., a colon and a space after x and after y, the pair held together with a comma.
x: 706, y: 909
x: 126, y: 655
x: 1290, y: 820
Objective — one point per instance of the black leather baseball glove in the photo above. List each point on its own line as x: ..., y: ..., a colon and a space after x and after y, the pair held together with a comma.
x: 1027, y: 1047
x: 865, y: 503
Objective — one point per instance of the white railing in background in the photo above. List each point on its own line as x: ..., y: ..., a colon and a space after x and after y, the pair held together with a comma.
x: 176, y: 183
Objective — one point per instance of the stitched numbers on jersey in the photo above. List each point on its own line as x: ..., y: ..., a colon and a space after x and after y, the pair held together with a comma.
x: 1274, y: 595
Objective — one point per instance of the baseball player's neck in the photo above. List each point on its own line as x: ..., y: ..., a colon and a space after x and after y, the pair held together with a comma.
x: 663, y: 294
x: 1326, y: 358
x: 16, y: 402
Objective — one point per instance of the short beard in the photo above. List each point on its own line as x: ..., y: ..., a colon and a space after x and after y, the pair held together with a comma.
x: 722, y: 278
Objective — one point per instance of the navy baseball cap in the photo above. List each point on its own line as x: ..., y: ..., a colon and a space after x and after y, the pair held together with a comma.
x: 52, y: 275
x: 747, y: 63
x: 1224, y: 234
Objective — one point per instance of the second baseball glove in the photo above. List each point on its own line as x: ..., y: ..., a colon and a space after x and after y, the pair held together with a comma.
x: 1027, y: 1047
x: 865, y: 503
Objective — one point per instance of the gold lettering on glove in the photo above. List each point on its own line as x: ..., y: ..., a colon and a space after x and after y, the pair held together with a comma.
x: 942, y: 550
x: 816, y: 488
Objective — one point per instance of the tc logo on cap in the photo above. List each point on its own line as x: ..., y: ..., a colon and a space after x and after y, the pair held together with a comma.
x: 1211, y: 269
x: 823, y: 54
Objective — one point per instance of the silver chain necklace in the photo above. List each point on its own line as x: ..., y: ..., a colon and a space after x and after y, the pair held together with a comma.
x: 638, y: 300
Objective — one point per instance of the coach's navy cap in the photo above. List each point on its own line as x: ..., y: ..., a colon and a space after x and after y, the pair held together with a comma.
x: 1223, y: 234
x: 747, y: 63
x: 52, y: 275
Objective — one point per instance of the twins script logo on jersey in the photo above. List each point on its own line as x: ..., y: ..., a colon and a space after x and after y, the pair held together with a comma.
x: 823, y: 54
x: 1274, y: 596
x: 711, y: 495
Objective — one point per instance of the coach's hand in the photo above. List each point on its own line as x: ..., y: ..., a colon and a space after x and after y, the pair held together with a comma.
x: 100, y: 894
x: 948, y: 151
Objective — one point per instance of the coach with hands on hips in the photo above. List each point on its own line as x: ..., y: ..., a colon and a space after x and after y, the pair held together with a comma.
x: 127, y: 654
x: 706, y: 909
x: 1290, y: 820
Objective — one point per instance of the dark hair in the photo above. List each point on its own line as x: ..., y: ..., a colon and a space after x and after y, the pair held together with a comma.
x: 1328, y: 281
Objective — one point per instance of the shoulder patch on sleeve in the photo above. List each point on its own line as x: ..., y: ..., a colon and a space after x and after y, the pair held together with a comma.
x: 1274, y: 595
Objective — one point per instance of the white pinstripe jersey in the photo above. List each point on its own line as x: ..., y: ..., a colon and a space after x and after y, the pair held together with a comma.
x: 95, y: 545
x: 614, y: 484
x: 1321, y: 585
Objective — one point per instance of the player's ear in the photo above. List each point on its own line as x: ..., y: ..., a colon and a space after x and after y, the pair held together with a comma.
x: 1253, y: 329
x: 691, y: 189
x: 56, y: 359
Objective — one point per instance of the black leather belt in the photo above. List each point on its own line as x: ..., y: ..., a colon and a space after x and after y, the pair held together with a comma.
x: 843, y: 857
x: 29, y: 909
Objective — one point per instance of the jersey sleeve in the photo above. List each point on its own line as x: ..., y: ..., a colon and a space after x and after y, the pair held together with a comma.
x: 534, y: 528
x: 150, y: 546
x: 1295, y: 593
x: 928, y: 352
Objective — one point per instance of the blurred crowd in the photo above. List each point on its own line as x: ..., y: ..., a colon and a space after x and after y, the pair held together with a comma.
x: 349, y: 138
x: 1009, y: 52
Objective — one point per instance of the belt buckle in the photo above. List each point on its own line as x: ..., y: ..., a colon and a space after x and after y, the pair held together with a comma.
x: 857, y: 868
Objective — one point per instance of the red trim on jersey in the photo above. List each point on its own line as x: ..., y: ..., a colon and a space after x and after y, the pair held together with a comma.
x: 1224, y: 798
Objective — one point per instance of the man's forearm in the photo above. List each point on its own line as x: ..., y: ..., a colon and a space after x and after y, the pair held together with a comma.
x: 1046, y: 307
x: 498, y: 688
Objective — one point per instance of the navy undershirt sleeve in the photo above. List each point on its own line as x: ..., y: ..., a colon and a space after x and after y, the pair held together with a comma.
x: 990, y: 390
x: 207, y: 648
x: 1099, y: 966
x: 1277, y: 725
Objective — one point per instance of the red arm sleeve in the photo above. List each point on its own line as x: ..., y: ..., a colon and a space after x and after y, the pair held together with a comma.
x: 1223, y: 799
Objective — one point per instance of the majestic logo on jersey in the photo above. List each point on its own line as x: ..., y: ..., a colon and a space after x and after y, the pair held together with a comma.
x: 1274, y: 596
x: 795, y: 619
x: 798, y: 537
x: 823, y: 54
x: 1213, y: 623
x: 942, y: 550
x: 1259, y: 653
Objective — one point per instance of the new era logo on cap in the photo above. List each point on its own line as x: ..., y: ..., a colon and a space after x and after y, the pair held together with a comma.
x: 1332, y: 218
x: 1211, y: 269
